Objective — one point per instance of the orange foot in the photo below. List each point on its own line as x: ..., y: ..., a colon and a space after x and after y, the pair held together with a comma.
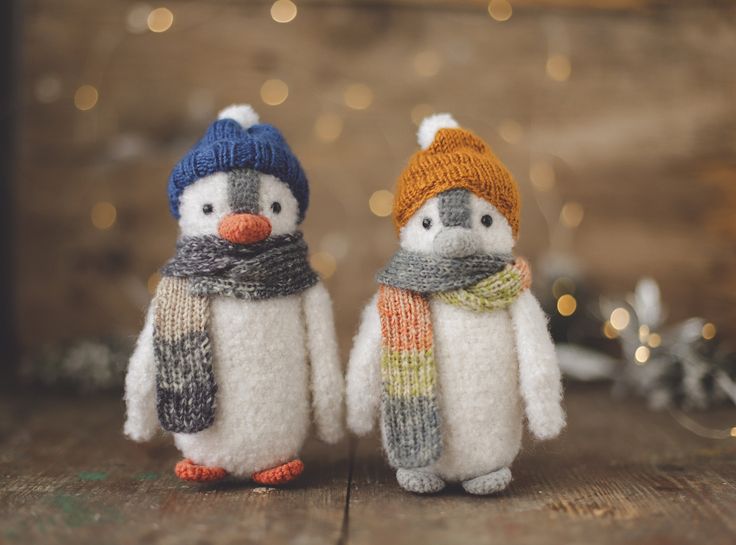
x: 187, y: 470
x: 279, y: 474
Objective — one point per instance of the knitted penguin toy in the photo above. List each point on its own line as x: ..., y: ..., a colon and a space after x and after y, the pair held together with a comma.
x: 453, y: 344
x: 240, y: 326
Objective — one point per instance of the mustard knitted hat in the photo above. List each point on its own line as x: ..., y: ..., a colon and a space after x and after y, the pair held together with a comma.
x: 454, y: 158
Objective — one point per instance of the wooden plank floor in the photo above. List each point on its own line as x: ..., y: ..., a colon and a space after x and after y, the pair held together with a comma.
x: 619, y: 474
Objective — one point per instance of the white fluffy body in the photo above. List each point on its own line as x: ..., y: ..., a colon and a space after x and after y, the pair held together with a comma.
x: 490, y: 366
x: 267, y: 356
x: 244, y: 114
x: 430, y: 125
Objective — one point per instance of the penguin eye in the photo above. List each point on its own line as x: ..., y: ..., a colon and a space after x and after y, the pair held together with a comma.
x: 426, y: 223
x: 486, y: 220
x: 207, y: 209
x: 276, y: 207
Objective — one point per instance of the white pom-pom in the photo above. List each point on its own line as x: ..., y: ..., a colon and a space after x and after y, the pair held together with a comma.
x: 244, y: 114
x: 430, y: 125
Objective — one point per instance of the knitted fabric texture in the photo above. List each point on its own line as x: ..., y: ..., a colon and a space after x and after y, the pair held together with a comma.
x: 409, y: 409
x: 227, y: 146
x: 204, y: 267
x: 457, y: 158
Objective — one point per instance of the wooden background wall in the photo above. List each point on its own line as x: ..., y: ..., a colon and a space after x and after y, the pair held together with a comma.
x: 641, y: 133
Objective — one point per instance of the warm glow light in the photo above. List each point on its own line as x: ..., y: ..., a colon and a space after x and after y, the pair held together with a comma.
x: 152, y: 282
x: 381, y: 203
x: 427, y: 63
x: 358, y: 96
x: 709, y: 331
x: 274, y: 92
x: 620, y: 318
x: 103, y: 215
x: 420, y: 111
x: 86, y: 97
x: 609, y: 331
x: 322, y: 262
x: 566, y: 305
x: 643, y: 333
x: 511, y: 131
x: 641, y: 355
x: 500, y: 10
x: 572, y: 214
x: 160, y: 20
x: 733, y: 432
x: 328, y: 127
x: 654, y: 340
x: 283, y: 11
x: 542, y: 175
x: 562, y: 286
x: 559, y: 67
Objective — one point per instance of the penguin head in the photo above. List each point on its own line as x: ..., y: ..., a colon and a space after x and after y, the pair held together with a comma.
x: 240, y: 182
x: 457, y: 223
x: 242, y: 206
x: 455, y: 198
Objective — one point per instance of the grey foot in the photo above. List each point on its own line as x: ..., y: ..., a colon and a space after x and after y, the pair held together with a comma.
x: 489, y: 483
x: 419, y: 481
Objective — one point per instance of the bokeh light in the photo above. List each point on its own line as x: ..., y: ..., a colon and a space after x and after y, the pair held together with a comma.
x: 274, y: 92
x: 500, y: 10
x: 328, y: 127
x: 381, y: 203
x: 641, y: 355
x: 103, y: 215
x: 283, y: 11
x: 358, y: 96
x: 620, y: 318
x: 559, y: 67
x: 542, y: 175
x: 572, y: 214
x: 160, y: 20
x: 566, y: 305
x: 511, y: 131
x: 324, y: 263
x: 86, y: 97
x: 709, y: 331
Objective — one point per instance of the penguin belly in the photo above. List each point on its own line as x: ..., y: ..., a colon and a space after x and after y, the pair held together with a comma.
x: 478, y: 390
x: 262, y: 403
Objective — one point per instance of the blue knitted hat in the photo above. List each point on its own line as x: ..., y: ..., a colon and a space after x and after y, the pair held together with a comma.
x: 237, y: 140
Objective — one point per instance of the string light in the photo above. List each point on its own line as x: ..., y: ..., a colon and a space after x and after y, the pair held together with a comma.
x: 324, y: 263
x: 47, y: 88
x: 328, y: 127
x: 86, y: 97
x: 620, y: 318
x: 381, y: 203
x: 283, y: 11
x: 160, y: 20
x: 542, y: 175
x: 709, y: 331
x: 419, y: 112
x: 641, y: 355
x: 511, y: 131
x: 358, y: 96
x: 274, y: 92
x: 566, y: 305
x: 103, y: 215
x: 654, y: 340
x: 152, y: 282
x: 500, y: 10
x: 572, y: 214
x: 559, y: 67
x: 427, y: 63
x: 137, y: 19
x: 609, y: 331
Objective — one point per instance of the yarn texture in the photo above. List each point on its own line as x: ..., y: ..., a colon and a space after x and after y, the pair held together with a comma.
x: 409, y: 409
x: 457, y: 158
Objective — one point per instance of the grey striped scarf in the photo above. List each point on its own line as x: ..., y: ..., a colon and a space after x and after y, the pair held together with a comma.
x: 204, y: 267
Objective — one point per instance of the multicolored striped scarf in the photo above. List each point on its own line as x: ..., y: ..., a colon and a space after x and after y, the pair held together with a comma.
x: 205, y: 267
x: 410, y: 417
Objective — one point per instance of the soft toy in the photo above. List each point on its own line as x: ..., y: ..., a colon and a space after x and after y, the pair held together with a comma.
x: 240, y: 325
x: 454, y: 342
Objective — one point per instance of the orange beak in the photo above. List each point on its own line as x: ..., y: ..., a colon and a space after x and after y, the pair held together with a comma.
x: 244, y: 228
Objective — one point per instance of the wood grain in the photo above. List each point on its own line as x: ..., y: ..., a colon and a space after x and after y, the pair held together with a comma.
x: 619, y: 474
